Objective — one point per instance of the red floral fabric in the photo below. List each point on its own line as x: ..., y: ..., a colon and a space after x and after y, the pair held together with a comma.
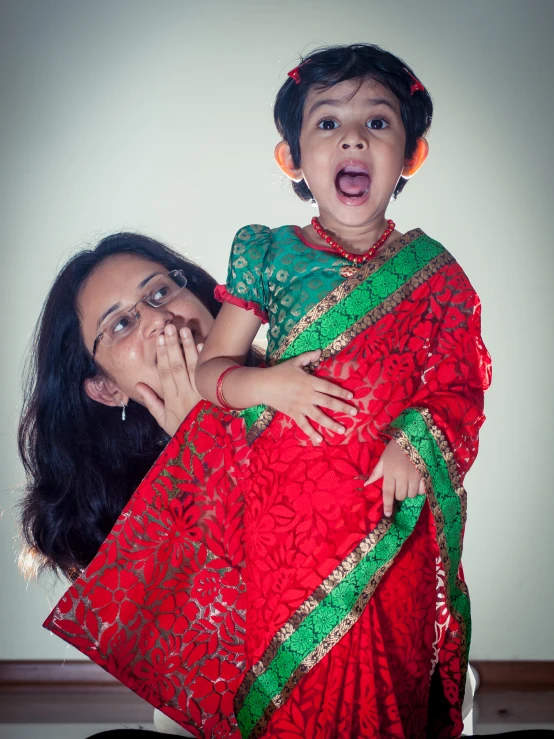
x: 162, y: 605
x: 222, y: 543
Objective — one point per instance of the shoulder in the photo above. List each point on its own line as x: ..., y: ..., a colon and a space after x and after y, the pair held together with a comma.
x: 450, y: 272
x: 256, y: 241
x: 426, y: 247
x: 254, y: 233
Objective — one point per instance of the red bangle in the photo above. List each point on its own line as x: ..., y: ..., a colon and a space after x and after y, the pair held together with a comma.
x: 218, y: 388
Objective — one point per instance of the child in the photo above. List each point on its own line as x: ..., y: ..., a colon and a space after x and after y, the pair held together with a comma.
x: 351, y: 610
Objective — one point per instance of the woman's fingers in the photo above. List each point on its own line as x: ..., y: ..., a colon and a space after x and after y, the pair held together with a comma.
x: 421, y: 489
x: 175, y: 356
x: 191, y: 356
x: 164, y: 369
x: 152, y: 403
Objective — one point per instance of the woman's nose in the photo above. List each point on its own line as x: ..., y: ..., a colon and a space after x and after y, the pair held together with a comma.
x: 153, y: 320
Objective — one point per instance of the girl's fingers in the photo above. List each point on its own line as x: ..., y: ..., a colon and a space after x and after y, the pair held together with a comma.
x: 377, y: 473
x: 329, y: 388
x: 389, y: 489
x: 303, y: 360
x: 151, y: 401
x: 413, y: 487
x: 308, y: 429
x: 401, y: 489
x: 421, y: 490
x: 334, y: 404
x: 324, y: 420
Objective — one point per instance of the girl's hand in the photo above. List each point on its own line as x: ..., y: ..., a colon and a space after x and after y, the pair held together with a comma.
x: 176, y: 368
x: 288, y: 388
x: 401, y: 480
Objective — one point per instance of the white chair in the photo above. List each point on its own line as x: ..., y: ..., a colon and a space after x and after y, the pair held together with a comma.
x: 469, y: 710
x: 165, y: 725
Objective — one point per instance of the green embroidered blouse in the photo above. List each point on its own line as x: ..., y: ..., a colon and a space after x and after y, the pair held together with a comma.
x: 282, y: 274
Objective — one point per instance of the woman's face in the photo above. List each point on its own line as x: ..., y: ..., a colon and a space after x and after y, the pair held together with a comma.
x: 116, y: 284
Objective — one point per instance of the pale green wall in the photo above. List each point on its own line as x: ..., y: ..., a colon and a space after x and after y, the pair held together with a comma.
x: 156, y: 116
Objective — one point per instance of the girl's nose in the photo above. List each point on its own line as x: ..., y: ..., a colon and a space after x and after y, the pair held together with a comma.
x: 354, y: 138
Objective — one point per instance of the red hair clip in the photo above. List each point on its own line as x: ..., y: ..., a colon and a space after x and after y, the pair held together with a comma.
x: 416, y: 84
x: 295, y: 73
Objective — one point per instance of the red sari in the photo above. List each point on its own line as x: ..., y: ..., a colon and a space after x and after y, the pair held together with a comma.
x: 256, y: 588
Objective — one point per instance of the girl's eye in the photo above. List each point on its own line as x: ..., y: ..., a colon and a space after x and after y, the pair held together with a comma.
x: 327, y: 125
x: 377, y: 124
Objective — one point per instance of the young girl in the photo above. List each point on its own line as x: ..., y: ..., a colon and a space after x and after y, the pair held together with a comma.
x: 357, y: 620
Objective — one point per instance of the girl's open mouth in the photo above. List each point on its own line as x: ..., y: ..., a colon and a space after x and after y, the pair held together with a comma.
x: 352, y: 182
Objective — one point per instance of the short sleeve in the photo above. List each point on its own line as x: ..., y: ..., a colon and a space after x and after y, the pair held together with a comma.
x: 245, y: 276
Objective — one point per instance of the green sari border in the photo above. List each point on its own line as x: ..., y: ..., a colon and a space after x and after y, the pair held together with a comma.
x: 268, y: 684
x: 320, y: 622
x: 321, y: 592
x: 429, y: 450
x: 391, y: 303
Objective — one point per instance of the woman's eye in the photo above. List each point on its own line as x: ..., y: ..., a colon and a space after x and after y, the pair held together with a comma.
x: 160, y: 294
x: 327, y: 125
x: 376, y: 124
x: 121, y: 324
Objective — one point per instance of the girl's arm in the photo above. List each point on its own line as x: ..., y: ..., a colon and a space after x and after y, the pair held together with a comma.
x: 287, y: 387
x: 227, y: 344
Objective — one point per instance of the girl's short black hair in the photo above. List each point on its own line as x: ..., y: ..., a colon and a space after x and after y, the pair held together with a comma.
x: 327, y: 66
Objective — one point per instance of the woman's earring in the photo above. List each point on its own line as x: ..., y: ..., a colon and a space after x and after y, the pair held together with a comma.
x: 123, y: 414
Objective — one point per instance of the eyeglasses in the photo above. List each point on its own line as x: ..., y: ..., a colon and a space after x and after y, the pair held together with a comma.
x: 124, y: 322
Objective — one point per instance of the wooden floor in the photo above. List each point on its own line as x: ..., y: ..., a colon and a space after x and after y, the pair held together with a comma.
x: 118, y: 705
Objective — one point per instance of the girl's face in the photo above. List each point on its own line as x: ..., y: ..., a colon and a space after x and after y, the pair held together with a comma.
x: 352, y: 146
x: 116, y: 284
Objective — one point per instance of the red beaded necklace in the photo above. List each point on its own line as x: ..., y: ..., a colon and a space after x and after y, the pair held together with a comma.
x: 357, y: 258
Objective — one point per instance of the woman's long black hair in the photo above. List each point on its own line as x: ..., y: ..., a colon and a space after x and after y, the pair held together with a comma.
x: 82, y: 462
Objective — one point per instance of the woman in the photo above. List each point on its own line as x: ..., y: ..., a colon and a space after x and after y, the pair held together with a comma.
x: 162, y: 606
x: 111, y: 379
x: 86, y: 437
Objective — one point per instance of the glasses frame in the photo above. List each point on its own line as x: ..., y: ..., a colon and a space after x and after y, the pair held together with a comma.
x: 145, y: 299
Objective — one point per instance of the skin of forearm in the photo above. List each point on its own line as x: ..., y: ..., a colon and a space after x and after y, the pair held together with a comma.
x: 242, y: 388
